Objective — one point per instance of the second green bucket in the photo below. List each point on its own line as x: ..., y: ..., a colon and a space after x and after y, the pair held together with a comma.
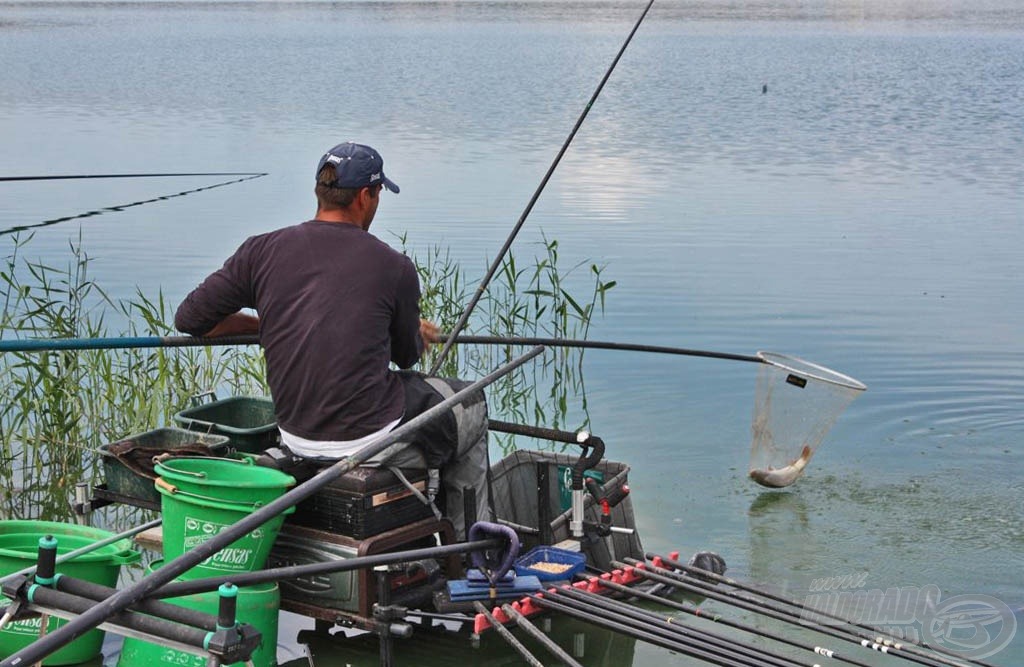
x: 257, y: 605
x: 200, y: 497
x: 19, y: 546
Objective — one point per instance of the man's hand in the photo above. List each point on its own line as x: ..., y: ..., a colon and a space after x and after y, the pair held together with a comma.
x: 429, y: 332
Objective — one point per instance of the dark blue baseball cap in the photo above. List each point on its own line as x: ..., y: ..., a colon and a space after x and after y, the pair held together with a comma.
x: 356, y: 166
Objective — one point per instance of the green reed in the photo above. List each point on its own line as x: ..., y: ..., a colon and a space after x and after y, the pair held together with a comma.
x: 59, y: 407
x: 531, y: 299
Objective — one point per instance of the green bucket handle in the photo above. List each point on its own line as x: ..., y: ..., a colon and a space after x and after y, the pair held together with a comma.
x: 175, y: 491
x: 127, y: 557
x: 197, y: 399
x: 199, y: 474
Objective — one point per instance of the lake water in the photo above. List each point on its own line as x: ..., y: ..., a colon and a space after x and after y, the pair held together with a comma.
x: 864, y: 213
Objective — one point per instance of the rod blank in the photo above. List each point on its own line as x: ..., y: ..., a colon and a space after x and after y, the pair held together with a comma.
x: 116, y: 343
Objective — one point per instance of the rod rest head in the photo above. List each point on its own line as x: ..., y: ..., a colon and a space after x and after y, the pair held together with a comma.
x: 235, y: 644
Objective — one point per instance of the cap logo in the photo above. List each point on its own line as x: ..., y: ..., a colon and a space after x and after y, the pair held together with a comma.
x: 375, y: 177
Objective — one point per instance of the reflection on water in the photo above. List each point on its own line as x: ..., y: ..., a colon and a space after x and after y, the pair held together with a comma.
x: 780, y: 524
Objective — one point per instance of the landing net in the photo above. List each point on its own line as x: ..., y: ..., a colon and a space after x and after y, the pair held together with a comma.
x: 795, y: 404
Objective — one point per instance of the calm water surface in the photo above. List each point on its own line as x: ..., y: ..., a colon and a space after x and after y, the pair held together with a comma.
x: 865, y: 213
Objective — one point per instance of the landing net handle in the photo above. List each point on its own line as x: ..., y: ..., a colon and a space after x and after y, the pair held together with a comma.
x: 796, y: 402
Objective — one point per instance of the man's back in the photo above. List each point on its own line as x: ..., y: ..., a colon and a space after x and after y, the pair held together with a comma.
x: 336, y: 305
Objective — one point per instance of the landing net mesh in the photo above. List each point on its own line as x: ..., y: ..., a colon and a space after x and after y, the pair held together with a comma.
x: 795, y: 404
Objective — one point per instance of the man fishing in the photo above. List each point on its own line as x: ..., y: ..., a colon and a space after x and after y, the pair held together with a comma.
x: 335, y: 307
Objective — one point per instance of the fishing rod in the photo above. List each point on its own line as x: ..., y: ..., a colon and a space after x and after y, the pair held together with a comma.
x: 693, y: 585
x: 664, y: 577
x: 904, y: 644
x: 602, y: 345
x: 644, y: 633
x: 716, y: 618
x: 82, y: 176
x: 37, y: 345
x: 670, y: 626
x: 120, y: 343
x: 532, y: 630
x: 496, y: 264
x: 122, y: 207
x: 242, y: 579
x: 507, y: 635
x: 383, y: 446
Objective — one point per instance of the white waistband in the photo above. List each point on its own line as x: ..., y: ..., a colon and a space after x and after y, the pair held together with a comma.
x: 333, y: 449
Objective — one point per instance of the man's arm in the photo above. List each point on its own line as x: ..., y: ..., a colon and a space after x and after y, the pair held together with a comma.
x: 236, y: 324
x: 407, y: 343
x: 212, y: 308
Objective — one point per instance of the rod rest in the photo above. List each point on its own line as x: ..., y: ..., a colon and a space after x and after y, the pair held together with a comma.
x: 229, y: 645
x: 586, y: 461
x: 165, y: 610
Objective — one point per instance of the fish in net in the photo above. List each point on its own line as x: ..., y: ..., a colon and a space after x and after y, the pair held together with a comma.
x: 795, y: 404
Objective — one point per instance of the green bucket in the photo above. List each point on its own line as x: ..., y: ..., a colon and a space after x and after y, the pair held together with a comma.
x: 19, y: 545
x: 200, y: 497
x: 256, y: 605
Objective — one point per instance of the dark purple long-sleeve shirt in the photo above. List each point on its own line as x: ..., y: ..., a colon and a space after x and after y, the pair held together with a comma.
x: 335, y: 305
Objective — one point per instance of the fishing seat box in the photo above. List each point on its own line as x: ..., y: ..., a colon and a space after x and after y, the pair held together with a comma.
x: 331, y: 596
x: 364, y: 502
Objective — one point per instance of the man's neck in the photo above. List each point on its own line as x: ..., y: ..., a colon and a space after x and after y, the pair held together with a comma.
x: 338, y: 216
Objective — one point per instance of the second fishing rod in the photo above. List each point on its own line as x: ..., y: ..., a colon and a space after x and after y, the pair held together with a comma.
x: 707, y: 589
x: 499, y: 258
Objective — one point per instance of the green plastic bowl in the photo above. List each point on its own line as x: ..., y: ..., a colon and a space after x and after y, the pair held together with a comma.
x: 19, y: 546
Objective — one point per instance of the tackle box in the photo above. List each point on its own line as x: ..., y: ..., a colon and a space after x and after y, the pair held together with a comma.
x: 248, y: 421
x: 364, y: 502
x: 128, y: 466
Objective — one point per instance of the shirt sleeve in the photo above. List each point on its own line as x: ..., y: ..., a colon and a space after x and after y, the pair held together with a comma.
x: 406, y: 343
x: 224, y: 292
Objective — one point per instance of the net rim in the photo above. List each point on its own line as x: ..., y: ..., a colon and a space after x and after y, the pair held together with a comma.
x: 820, y: 373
